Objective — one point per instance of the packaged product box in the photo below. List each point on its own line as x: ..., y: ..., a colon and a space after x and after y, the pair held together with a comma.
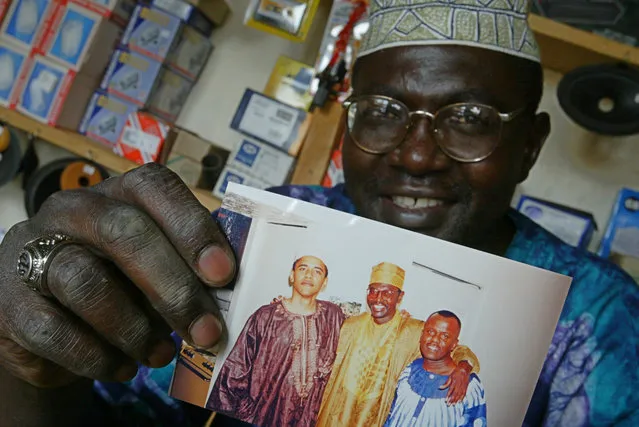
x: 621, y: 240
x: 25, y: 20
x: 12, y: 60
x: 119, y: 11
x: 271, y: 121
x: 53, y: 94
x: 230, y: 174
x: 215, y: 10
x: 169, y: 95
x: 290, y: 82
x: 152, y: 32
x: 188, y: 13
x: 573, y: 226
x: 261, y: 161
x: 79, y: 39
x: 105, y: 118
x: 142, y: 138
x: 131, y: 76
x: 190, y: 53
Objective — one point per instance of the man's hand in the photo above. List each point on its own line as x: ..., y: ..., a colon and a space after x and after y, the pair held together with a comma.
x: 144, y: 252
x: 457, y: 383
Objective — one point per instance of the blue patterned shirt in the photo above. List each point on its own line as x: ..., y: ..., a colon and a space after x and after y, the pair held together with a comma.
x: 590, y: 375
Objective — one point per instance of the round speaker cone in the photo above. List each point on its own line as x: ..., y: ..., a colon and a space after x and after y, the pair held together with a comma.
x: 602, y: 98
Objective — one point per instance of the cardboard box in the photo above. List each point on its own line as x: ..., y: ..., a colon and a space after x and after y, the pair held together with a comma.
x: 215, y: 10
x: 290, y: 83
x: 131, y: 76
x: 271, y: 121
x: 230, y: 174
x: 79, y: 39
x: 190, y: 53
x: 188, y: 13
x: 26, y: 19
x: 197, y: 161
x: 169, y: 95
x: 622, y: 232
x: 152, y: 32
x: 119, y: 11
x: 573, y: 226
x: 53, y: 94
x: 105, y: 118
x: 261, y: 161
x: 12, y: 62
x: 142, y: 138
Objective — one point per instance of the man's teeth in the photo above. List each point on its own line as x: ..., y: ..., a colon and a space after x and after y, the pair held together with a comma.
x: 413, y: 203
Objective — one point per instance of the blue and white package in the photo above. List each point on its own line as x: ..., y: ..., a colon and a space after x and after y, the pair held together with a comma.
x: 74, y: 36
x: 105, y: 118
x: 24, y: 21
x: 41, y: 90
x: 622, y: 233
x: 190, y: 53
x: 261, y: 160
x: 187, y: 13
x: 131, y: 76
x: 151, y: 32
x: 12, y: 59
x: 230, y: 174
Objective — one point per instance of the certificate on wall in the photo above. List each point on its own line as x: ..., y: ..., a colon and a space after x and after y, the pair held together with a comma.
x: 336, y: 320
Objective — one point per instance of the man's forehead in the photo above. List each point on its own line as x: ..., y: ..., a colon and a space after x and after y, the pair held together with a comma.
x: 438, y: 321
x: 311, y: 261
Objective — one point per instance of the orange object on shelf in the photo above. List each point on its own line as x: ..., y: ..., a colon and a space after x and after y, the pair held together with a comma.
x: 79, y: 175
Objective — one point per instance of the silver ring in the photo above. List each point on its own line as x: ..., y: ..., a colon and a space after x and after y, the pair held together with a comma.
x: 35, y: 258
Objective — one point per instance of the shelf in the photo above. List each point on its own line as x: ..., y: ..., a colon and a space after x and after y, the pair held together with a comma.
x: 564, y: 48
x: 84, y: 147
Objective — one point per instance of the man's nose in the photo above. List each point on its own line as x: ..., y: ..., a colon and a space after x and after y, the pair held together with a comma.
x: 419, y: 154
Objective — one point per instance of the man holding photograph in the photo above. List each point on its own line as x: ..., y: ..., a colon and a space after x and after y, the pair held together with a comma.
x: 419, y: 400
x: 374, y: 347
x: 278, y: 368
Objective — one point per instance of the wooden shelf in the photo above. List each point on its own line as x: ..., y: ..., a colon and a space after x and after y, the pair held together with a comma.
x: 564, y: 48
x: 84, y: 147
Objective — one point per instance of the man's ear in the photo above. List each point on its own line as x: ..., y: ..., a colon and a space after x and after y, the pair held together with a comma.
x: 290, y: 279
x: 324, y: 284
x: 400, y: 298
x: 539, y: 134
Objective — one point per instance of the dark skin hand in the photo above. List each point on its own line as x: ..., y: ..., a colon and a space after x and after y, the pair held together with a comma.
x: 476, y: 196
x: 145, y: 253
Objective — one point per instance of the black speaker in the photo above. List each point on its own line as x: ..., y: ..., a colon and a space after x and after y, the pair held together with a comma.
x: 602, y: 98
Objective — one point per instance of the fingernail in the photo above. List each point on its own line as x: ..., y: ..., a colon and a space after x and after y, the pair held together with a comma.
x: 216, y: 265
x: 161, y: 354
x: 126, y: 372
x: 206, y: 331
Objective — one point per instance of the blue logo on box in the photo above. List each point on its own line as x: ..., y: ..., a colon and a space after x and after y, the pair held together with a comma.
x: 72, y: 37
x: 10, y: 65
x: 247, y: 153
x: 41, y: 90
x: 230, y: 177
x: 26, y: 19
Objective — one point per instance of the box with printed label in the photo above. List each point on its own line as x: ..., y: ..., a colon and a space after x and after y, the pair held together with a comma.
x: 261, y: 161
x: 188, y: 13
x: 53, y: 94
x: 26, y: 19
x: 105, y: 118
x: 142, y: 138
x: 152, y: 32
x: 190, y: 53
x: 80, y: 39
x: 215, y: 10
x: 169, y: 95
x: 621, y: 240
x: 571, y: 225
x: 12, y: 61
x: 230, y: 174
x: 271, y: 121
x: 119, y: 11
x: 131, y: 76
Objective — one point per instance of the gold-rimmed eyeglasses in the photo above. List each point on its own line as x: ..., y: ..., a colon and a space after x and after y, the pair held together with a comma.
x: 466, y: 132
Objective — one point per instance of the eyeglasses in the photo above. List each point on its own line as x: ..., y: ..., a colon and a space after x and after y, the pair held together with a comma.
x: 466, y: 132
x: 384, y: 293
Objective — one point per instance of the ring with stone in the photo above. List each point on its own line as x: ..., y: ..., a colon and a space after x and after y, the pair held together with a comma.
x: 35, y: 258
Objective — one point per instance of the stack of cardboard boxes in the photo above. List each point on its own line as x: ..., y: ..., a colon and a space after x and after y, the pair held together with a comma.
x: 54, y: 53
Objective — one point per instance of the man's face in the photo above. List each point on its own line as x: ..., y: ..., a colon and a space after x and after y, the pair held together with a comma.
x: 417, y: 186
x: 439, y: 337
x: 383, y: 299
x: 308, y: 277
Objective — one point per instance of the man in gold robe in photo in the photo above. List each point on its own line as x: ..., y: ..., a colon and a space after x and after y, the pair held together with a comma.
x: 373, y: 350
